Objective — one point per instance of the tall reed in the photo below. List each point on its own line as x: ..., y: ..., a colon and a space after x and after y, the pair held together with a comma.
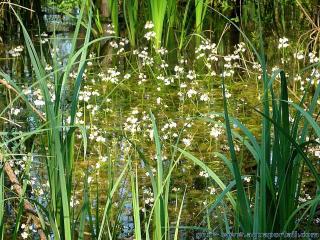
x: 130, y: 11
x: 114, y: 10
x: 201, y: 10
x: 158, y: 13
x: 280, y: 158
x: 2, y: 198
x: 58, y: 136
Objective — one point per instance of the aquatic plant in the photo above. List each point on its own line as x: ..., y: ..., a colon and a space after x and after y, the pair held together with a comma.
x: 280, y: 157
x: 130, y: 10
x: 158, y: 11
x: 142, y: 137
x: 113, y: 7
x: 201, y: 9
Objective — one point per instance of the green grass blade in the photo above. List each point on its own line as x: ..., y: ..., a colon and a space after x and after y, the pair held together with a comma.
x: 112, y: 192
x: 2, y: 226
x: 135, y: 205
x: 243, y: 205
x: 176, y: 231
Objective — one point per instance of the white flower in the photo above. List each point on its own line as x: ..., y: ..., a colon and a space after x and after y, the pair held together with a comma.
x: 215, y: 131
x: 313, y: 58
x: 228, y: 95
x: 100, y: 139
x: 127, y: 76
x: 191, y: 92
x: 299, y: 55
x: 24, y: 235
x: 183, y: 85
x: 110, y: 29
x: 150, y: 35
x: 203, y: 174
x: 186, y: 142
x: 301, y: 199
x: 15, y: 111
x: 48, y: 67
x: 44, y: 40
x: 97, y: 165
x: 204, y: 97
x: 283, y: 42
x: 39, y: 102
x: 241, y: 47
x: 104, y: 158
x: 149, y: 25
x: 191, y: 75
x: 114, y: 44
x: 178, y: 70
x: 247, y: 179
x: 212, y: 190
x: 90, y: 179
x: 162, y: 51
x: 175, y: 189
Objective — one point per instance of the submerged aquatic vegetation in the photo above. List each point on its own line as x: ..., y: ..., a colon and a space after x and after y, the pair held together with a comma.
x: 143, y: 145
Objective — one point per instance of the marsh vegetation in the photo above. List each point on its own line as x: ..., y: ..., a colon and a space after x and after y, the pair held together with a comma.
x: 159, y: 119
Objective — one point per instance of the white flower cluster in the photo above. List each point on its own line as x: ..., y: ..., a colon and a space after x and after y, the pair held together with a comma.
x: 111, y: 75
x: 119, y: 46
x: 212, y: 190
x: 74, y: 202
x: 208, y: 50
x: 86, y: 94
x: 186, y: 141
x: 150, y: 34
x: 132, y: 123
x: 142, y: 78
x: 313, y: 57
x: 26, y: 230
x: 16, y: 52
x: 216, y: 131
x: 162, y: 51
x: 247, y: 179
x: 97, y: 135
x: 15, y: 111
x: 36, y: 96
x: 44, y: 38
x: 148, y: 196
x: 191, y: 75
x: 283, y: 42
x: 165, y: 80
x: 203, y: 174
x: 78, y: 119
x: 110, y: 29
x: 299, y: 55
x: 240, y: 48
x: 144, y: 56
x: 168, y: 130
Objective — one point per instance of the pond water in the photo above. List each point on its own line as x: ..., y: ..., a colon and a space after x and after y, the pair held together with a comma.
x: 184, y: 94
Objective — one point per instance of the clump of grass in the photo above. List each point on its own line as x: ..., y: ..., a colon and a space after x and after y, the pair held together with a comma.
x: 158, y: 12
x: 201, y: 10
x: 59, y: 138
x: 186, y: 91
x: 130, y: 10
x: 280, y: 157
x: 114, y: 10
